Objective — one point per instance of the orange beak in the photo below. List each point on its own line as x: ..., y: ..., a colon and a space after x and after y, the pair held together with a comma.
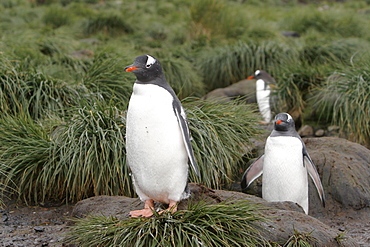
x: 128, y: 69
x: 279, y: 122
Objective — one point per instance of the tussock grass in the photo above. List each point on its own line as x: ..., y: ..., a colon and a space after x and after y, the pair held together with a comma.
x: 89, y: 155
x: 300, y: 240
x: 70, y: 161
x: 220, y: 133
x: 25, y: 150
x: 223, y: 224
x: 212, y: 18
x: 85, y: 156
x: 107, y: 22
x: 228, y: 64
x: 338, y: 22
x: 33, y: 93
x: 57, y: 17
x: 183, y: 76
x: 346, y: 99
x: 106, y: 77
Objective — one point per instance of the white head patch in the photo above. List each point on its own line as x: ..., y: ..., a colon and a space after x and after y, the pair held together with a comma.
x: 289, y: 117
x: 151, y: 60
x: 257, y: 72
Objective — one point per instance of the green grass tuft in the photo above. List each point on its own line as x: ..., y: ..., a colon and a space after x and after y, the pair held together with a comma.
x: 223, y: 224
x: 346, y: 98
x: 300, y: 240
x: 107, y: 22
x: 220, y: 134
x: 231, y: 63
x: 182, y: 76
x: 57, y: 17
x: 25, y: 150
x: 212, y: 18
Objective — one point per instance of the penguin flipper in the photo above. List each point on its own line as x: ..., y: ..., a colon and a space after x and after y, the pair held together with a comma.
x: 181, y: 118
x: 254, y: 171
x: 314, y: 176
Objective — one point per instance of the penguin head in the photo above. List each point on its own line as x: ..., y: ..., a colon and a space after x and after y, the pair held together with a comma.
x: 284, y: 122
x: 146, y: 68
x: 264, y: 76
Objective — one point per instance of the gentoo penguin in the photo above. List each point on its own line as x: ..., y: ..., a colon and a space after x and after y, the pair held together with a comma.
x: 284, y: 165
x: 264, y: 85
x: 157, y: 139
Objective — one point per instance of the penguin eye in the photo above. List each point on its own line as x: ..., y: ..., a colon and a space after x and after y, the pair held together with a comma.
x: 148, y: 65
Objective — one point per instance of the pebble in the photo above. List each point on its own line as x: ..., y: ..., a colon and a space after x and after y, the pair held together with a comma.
x: 320, y: 132
x: 39, y: 229
x: 305, y: 130
x: 4, y: 218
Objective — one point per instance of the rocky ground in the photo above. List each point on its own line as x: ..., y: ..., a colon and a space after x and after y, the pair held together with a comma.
x: 344, y: 168
x: 23, y: 225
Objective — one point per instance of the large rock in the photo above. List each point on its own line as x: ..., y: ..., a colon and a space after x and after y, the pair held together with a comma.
x: 344, y: 168
x: 284, y: 218
x: 244, y: 88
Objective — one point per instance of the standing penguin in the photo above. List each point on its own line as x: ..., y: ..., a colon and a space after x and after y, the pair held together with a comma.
x: 264, y: 84
x: 157, y: 139
x: 284, y: 165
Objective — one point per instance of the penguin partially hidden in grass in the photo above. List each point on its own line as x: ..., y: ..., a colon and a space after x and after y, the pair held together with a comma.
x: 284, y: 166
x: 264, y: 87
x: 157, y: 139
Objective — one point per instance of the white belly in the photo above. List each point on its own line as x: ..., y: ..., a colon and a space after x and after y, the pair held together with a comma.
x: 155, y: 149
x: 284, y: 176
x: 263, y: 99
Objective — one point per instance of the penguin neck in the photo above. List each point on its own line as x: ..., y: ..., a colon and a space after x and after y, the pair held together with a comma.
x: 261, y: 85
x: 276, y: 133
x: 159, y: 81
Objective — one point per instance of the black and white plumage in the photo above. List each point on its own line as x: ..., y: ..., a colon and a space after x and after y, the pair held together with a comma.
x: 284, y: 166
x: 264, y: 87
x: 157, y: 138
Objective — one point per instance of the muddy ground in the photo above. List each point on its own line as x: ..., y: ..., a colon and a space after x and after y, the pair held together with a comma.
x: 46, y: 225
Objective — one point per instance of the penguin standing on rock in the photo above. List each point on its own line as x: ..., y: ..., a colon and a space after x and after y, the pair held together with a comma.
x: 284, y: 166
x: 264, y: 87
x: 157, y: 139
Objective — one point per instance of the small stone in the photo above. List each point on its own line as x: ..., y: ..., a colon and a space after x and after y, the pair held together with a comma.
x: 306, y: 130
x: 39, y: 229
x: 4, y: 218
x: 320, y: 132
x: 290, y: 34
x: 333, y: 128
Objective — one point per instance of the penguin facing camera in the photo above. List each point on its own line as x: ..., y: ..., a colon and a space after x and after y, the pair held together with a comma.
x: 264, y: 87
x: 284, y: 166
x: 157, y: 139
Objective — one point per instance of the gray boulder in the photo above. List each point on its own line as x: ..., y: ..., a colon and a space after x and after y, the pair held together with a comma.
x: 244, y: 88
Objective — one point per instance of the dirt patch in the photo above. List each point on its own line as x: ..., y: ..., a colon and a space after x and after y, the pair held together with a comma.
x: 23, y: 225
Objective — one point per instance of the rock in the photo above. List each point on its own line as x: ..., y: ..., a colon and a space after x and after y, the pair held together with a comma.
x: 39, y: 229
x: 81, y: 54
x: 306, y: 130
x: 290, y: 34
x: 91, y: 41
x: 284, y: 218
x: 319, y: 132
x: 344, y: 168
x: 333, y: 128
x: 244, y: 88
x: 4, y: 217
